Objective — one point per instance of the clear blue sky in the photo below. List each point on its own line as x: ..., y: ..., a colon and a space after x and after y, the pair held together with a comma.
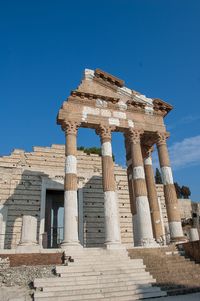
x: 153, y: 45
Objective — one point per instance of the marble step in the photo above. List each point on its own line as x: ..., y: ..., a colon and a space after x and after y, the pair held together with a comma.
x: 95, y: 261
x: 95, y: 285
x: 100, y: 289
x: 109, y: 273
x: 57, y: 281
x: 63, y: 295
x: 85, y: 267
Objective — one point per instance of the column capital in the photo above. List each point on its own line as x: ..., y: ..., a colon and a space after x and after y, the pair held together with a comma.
x: 70, y: 127
x: 161, y: 137
x: 134, y: 135
x: 104, y: 131
x: 147, y: 150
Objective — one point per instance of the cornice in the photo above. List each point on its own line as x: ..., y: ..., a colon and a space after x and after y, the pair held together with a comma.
x: 109, y: 77
x: 161, y: 107
x: 91, y: 96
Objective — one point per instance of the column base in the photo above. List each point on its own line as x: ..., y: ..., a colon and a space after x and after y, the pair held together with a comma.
x: 148, y: 243
x: 28, y: 248
x: 69, y: 246
x: 114, y: 246
x: 177, y: 240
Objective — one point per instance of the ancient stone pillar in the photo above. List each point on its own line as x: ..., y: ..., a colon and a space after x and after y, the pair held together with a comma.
x: 112, y: 226
x: 130, y: 175
x: 193, y: 234
x: 152, y: 196
x: 143, y: 234
x: 172, y: 206
x: 70, y: 187
x: 29, y: 231
x: 28, y: 242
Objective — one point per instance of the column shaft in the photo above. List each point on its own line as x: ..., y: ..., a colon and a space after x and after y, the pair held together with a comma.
x: 112, y: 226
x: 153, y: 199
x: 143, y: 234
x: 171, y: 201
x: 70, y: 187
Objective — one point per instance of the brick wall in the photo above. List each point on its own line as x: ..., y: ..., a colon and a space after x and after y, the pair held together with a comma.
x: 192, y: 250
x: 33, y: 259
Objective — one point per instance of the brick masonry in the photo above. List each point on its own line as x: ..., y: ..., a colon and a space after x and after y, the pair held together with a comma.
x: 33, y: 259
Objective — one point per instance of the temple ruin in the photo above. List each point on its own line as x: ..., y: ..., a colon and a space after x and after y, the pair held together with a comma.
x: 111, y: 231
x: 102, y: 204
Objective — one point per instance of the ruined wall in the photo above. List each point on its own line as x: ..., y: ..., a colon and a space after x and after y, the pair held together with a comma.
x: 21, y: 176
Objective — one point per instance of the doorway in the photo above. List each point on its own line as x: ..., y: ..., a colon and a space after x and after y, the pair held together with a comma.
x: 54, y: 217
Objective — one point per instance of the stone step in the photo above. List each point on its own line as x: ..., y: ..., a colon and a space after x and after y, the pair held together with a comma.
x: 40, y: 282
x: 99, y: 284
x: 173, y: 270
x: 142, y: 275
x: 104, y: 261
x: 63, y: 295
x: 100, y: 259
x: 103, y: 266
x: 101, y: 251
x: 100, y: 289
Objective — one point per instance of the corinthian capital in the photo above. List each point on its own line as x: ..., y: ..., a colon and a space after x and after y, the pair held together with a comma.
x: 104, y: 132
x: 161, y: 138
x: 134, y: 135
x: 147, y: 150
x: 70, y: 127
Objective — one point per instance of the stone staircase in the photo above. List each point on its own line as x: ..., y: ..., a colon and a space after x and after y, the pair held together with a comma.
x: 98, y: 274
x: 173, y: 273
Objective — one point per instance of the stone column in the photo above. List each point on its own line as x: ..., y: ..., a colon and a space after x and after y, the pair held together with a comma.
x: 172, y: 205
x: 143, y: 234
x: 112, y: 225
x: 70, y: 187
x: 28, y: 242
x: 29, y: 230
x: 193, y: 234
x: 152, y: 195
x: 130, y: 182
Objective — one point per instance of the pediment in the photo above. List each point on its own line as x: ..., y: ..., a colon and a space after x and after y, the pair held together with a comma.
x: 105, y: 85
x: 104, y: 98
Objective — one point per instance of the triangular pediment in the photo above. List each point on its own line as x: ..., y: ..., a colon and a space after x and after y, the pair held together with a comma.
x: 104, y: 98
x: 101, y: 83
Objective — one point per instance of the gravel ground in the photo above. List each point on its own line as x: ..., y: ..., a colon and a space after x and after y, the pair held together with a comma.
x: 16, y: 284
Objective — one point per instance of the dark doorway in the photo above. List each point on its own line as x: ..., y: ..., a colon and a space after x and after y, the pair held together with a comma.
x: 54, y: 217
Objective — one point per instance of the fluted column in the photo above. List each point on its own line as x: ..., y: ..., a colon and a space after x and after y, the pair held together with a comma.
x: 143, y: 234
x: 171, y: 201
x: 70, y: 187
x: 112, y: 225
x: 152, y: 195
